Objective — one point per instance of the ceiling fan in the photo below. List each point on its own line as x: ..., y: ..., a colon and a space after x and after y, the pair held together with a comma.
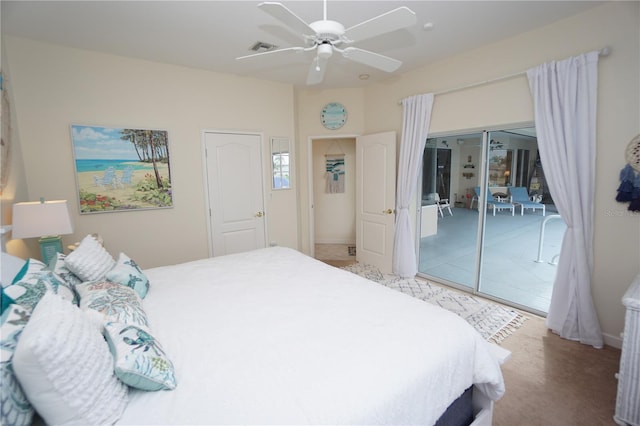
x: 327, y: 36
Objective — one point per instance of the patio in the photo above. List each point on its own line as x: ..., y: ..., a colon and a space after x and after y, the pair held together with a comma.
x: 510, y: 271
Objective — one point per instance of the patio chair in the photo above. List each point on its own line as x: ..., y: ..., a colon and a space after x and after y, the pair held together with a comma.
x: 520, y: 196
x: 108, y: 178
x: 127, y: 174
x: 494, y: 203
x: 442, y: 203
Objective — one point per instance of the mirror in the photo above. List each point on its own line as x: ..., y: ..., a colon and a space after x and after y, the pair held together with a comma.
x: 280, y: 158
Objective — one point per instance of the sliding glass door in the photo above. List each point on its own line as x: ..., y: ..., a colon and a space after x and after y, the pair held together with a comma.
x: 489, y: 244
x: 449, y: 252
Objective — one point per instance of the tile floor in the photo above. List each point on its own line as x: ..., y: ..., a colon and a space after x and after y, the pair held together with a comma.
x: 334, y: 252
x: 510, y: 270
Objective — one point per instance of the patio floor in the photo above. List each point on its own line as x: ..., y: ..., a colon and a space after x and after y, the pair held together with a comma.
x: 509, y: 269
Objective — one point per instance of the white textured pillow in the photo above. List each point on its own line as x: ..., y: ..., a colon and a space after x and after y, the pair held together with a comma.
x: 90, y: 261
x: 65, y: 368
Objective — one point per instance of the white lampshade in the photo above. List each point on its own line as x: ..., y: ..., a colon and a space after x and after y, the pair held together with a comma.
x: 39, y: 219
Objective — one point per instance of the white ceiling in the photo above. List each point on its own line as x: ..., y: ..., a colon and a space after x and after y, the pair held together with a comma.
x: 211, y: 34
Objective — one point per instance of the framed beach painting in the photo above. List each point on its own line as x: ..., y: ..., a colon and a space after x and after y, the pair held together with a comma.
x: 121, y: 169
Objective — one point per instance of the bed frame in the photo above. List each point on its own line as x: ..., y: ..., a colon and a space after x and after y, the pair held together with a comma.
x: 472, y: 408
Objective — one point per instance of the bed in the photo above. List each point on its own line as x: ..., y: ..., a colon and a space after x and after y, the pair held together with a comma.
x: 275, y: 337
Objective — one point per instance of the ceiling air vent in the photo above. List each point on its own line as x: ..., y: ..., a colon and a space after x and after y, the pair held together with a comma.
x: 261, y: 46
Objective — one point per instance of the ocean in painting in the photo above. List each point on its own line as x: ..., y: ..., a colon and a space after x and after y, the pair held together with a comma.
x: 100, y: 165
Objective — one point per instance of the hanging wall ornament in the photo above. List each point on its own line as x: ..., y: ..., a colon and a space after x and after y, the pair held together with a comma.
x: 632, y: 154
x: 335, y: 173
x: 629, y: 189
x: 627, y: 176
x: 634, y: 205
x: 5, y: 135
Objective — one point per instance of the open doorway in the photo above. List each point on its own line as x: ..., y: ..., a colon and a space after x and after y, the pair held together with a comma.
x: 333, y: 180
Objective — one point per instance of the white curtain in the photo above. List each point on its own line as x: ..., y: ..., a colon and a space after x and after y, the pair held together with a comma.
x: 565, y: 96
x: 416, y: 117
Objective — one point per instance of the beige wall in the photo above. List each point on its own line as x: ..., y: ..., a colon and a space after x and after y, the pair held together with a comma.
x: 55, y: 87
x: 617, y: 25
x: 334, y: 213
x: 15, y: 190
x: 309, y: 103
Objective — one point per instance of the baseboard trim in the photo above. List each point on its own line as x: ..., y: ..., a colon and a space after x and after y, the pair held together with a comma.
x: 611, y: 340
x: 336, y: 241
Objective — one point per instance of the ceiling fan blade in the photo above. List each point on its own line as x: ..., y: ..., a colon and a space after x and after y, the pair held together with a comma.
x: 316, y: 70
x: 372, y: 59
x: 272, y: 52
x: 287, y: 17
x: 395, y: 19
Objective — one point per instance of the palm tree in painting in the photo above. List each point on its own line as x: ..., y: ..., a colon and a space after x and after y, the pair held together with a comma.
x: 151, y: 147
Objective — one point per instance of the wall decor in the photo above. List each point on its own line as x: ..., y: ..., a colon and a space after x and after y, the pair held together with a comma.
x: 333, y: 115
x: 121, y: 169
x: 335, y: 173
x: 629, y: 189
x: 5, y: 135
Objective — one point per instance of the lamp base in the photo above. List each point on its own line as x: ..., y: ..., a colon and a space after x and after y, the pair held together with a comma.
x: 49, y: 247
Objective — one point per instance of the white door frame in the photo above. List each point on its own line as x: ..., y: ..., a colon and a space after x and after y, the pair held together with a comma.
x: 207, y: 212
x: 310, y: 139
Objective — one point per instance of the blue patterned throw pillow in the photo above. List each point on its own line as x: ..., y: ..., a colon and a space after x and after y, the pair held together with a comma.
x: 15, y: 409
x: 128, y: 273
x: 115, y: 302
x: 6, y: 301
x: 33, y: 282
x: 140, y: 361
x: 30, y: 266
x: 58, y: 267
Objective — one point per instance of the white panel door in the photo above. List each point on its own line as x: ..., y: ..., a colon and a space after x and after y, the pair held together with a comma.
x: 376, y: 199
x: 235, y: 189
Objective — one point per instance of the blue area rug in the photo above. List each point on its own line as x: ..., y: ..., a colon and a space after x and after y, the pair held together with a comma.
x: 493, y: 321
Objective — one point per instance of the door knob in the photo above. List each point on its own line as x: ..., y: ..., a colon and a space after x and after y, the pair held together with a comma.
x: 388, y: 211
x: 259, y: 214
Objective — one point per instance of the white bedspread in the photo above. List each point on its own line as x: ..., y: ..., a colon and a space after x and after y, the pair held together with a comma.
x: 275, y: 337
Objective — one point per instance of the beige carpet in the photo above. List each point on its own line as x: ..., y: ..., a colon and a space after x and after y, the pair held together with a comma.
x: 552, y: 381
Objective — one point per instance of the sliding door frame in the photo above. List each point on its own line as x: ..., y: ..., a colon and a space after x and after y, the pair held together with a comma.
x: 482, y: 210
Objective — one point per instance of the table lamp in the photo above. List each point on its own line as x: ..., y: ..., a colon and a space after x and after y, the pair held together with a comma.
x: 45, y: 219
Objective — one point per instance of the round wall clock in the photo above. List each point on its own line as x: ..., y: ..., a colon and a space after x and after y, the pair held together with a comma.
x: 333, y: 115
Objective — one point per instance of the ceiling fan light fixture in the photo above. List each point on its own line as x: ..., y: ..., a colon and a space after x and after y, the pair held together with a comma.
x: 325, y: 50
x: 325, y: 36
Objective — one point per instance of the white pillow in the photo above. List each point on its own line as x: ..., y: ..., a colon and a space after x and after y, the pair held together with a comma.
x: 65, y: 368
x: 89, y: 261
